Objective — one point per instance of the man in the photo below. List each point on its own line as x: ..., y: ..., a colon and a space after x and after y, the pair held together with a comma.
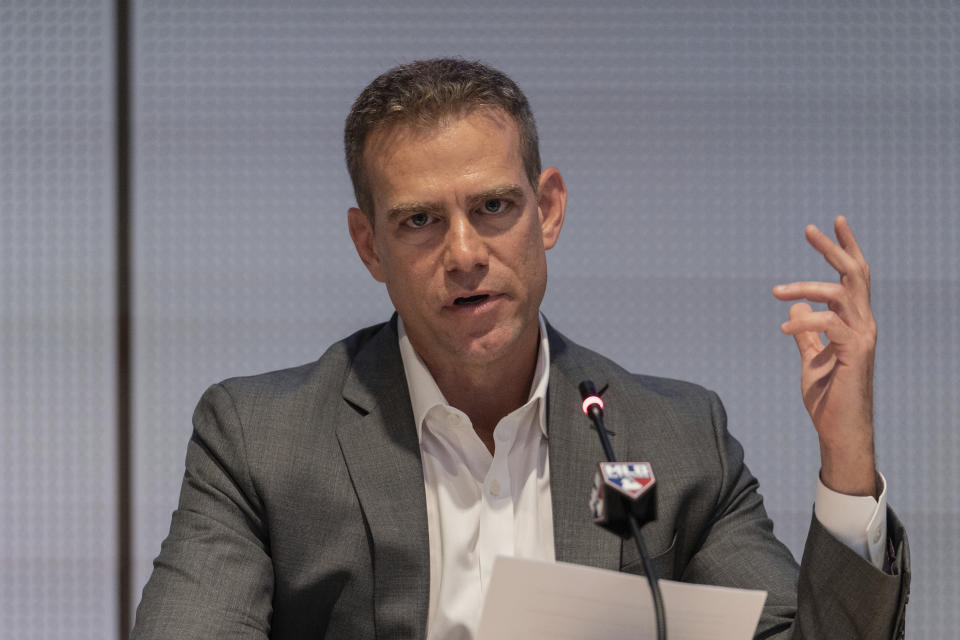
x: 367, y: 494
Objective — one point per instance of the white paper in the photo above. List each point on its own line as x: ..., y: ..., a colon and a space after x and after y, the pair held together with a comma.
x: 530, y: 600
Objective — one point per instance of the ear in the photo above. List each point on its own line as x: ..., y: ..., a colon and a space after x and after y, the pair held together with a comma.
x: 361, y: 231
x: 552, y: 205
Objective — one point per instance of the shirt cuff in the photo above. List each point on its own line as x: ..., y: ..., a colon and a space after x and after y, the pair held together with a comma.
x: 860, y: 522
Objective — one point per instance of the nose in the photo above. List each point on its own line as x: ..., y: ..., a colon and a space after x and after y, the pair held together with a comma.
x: 465, y: 248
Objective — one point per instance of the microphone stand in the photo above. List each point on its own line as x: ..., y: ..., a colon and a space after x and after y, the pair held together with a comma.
x: 595, y: 412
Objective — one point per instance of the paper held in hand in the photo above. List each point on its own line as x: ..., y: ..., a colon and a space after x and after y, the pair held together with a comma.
x: 530, y: 600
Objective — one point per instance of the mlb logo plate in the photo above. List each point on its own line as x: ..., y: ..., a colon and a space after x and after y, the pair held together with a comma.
x: 628, y: 478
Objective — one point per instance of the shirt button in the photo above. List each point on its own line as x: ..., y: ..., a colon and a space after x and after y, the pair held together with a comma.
x: 495, y: 488
x: 876, y: 535
x: 453, y: 419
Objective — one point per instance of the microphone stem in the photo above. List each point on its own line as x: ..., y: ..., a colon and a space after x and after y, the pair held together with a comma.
x: 597, y: 416
x: 651, y: 578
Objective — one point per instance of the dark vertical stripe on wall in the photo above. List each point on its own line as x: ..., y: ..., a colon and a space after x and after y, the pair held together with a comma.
x: 124, y: 327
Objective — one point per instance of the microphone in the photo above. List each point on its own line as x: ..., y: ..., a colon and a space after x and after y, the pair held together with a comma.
x: 622, y: 490
x: 619, y: 488
x: 622, y: 498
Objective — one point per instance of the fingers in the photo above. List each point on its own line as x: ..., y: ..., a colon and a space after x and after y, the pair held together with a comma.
x: 836, y: 296
x: 812, y: 291
x: 847, y: 240
x: 846, y: 257
x: 851, y: 298
x: 849, y: 243
x: 805, y: 320
x: 808, y: 342
x: 833, y: 253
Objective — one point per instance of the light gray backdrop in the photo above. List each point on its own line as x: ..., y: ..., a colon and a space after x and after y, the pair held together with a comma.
x: 57, y: 398
x: 696, y: 139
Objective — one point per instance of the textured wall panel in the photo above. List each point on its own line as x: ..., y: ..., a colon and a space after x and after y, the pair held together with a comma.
x: 697, y: 140
x: 57, y: 472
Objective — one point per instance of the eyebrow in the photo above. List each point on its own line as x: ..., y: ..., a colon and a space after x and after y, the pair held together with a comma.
x: 409, y: 208
x: 512, y: 191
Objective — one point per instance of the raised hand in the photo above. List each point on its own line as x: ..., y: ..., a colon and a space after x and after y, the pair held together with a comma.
x: 837, y: 377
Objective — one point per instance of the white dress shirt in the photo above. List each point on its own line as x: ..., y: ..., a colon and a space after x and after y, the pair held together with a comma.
x: 481, y: 505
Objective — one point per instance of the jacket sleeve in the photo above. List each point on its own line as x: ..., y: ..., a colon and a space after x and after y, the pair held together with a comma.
x: 841, y: 595
x: 214, y: 576
x: 837, y: 594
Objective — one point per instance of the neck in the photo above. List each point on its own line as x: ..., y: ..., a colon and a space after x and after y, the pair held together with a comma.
x: 488, y: 391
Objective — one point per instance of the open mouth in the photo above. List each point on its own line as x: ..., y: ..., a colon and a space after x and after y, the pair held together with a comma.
x: 462, y: 302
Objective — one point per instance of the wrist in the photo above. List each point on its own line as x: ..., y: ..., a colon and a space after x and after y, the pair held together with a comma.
x: 853, y: 473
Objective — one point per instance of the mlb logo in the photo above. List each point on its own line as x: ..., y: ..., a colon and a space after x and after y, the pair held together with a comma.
x: 622, y: 490
x: 629, y: 478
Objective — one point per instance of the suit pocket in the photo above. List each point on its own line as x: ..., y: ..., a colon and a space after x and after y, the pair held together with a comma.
x: 664, y: 561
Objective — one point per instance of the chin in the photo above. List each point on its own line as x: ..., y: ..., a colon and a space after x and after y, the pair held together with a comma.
x: 492, y: 346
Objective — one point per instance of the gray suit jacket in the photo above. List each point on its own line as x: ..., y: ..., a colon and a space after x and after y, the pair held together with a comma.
x: 302, y: 512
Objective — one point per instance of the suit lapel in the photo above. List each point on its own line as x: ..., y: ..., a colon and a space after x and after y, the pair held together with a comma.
x: 379, y: 444
x: 575, y: 451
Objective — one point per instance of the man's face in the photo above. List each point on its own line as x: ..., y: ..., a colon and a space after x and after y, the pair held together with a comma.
x: 460, y: 235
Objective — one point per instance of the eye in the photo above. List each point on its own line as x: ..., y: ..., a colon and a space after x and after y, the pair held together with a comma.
x: 494, y: 205
x: 417, y: 220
